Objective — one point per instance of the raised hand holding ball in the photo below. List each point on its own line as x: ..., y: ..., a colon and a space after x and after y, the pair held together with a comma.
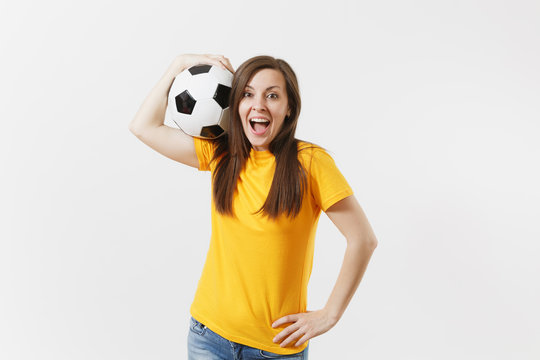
x: 198, y: 99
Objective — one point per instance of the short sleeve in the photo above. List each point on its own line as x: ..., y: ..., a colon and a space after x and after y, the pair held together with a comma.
x: 205, y: 151
x: 328, y: 185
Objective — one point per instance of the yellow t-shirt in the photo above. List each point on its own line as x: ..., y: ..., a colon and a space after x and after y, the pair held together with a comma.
x: 257, y: 270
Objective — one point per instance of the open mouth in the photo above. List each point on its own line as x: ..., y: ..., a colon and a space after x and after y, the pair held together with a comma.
x: 259, y: 126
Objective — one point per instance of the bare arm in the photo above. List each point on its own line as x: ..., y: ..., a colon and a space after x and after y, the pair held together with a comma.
x: 148, y: 124
x: 351, y: 221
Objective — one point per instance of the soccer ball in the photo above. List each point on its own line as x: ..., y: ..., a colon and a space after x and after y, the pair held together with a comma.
x: 198, y: 101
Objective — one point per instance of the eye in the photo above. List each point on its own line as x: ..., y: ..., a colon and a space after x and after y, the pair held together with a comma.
x: 274, y: 95
x: 246, y: 94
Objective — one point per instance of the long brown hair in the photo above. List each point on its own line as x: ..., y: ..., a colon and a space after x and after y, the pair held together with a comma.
x: 232, y: 150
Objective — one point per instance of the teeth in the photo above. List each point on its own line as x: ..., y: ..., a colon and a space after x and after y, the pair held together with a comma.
x: 260, y: 120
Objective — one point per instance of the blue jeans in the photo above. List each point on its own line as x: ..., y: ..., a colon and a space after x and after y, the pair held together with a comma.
x: 204, y: 344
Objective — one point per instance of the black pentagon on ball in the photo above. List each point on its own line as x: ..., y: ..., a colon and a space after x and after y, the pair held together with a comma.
x: 212, y: 131
x: 199, y: 69
x: 222, y: 95
x: 185, y: 102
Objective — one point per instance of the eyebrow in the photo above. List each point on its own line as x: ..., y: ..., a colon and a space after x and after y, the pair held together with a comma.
x: 268, y: 88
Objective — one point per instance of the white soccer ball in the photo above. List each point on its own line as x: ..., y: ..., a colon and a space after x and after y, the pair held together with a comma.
x: 198, y: 101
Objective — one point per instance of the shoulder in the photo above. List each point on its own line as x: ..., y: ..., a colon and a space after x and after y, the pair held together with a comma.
x: 308, y: 151
x: 308, y: 148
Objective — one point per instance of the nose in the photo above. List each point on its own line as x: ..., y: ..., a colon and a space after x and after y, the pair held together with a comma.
x: 258, y: 104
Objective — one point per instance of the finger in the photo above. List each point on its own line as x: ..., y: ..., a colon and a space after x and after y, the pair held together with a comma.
x: 286, y: 332
x: 218, y: 63
x: 228, y: 65
x: 215, y: 60
x: 279, y: 321
x: 291, y: 338
x: 216, y: 57
x: 302, y: 340
x: 222, y: 65
x: 286, y: 319
x: 210, y: 59
x: 225, y: 61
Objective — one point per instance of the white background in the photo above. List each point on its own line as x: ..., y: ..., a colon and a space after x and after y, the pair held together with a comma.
x: 430, y: 108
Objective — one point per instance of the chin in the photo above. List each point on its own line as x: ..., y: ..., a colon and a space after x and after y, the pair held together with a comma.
x: 258, y: 144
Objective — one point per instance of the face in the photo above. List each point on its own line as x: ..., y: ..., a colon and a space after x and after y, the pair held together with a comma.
x: 263, y: 107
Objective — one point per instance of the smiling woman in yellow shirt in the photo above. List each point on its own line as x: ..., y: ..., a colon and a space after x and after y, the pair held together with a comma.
x: 268, y: 190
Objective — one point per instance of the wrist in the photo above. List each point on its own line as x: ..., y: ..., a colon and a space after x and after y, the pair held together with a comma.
x: 176, y: 67
x: 332, y: 315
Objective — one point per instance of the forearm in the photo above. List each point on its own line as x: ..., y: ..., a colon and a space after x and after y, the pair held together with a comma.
x: 355, y: 261
x: 152, y: 111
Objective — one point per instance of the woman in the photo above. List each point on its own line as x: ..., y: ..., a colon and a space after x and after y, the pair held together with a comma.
x: 268, y: 190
